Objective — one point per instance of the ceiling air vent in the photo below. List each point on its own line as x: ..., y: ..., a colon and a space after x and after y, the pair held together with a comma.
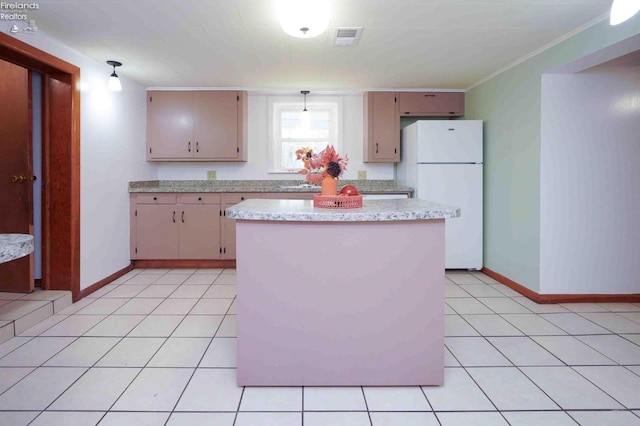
x: 347, y: 36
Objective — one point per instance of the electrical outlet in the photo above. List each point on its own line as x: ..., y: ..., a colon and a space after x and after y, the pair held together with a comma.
x: 211, y: 175
x: 362, y: 175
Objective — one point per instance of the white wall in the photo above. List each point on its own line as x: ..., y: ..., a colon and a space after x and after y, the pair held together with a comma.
x: 112, y: 153
x: 590, y: 181
x: 257, y: 165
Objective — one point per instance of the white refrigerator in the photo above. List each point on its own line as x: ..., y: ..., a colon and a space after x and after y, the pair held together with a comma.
x: 442, y: 162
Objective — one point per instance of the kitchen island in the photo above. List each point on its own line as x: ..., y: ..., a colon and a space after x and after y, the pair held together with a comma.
x: 340, y: 297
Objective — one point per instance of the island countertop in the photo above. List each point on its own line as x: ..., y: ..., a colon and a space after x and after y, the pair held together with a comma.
x: 14, y: 246
x: 371, y: 211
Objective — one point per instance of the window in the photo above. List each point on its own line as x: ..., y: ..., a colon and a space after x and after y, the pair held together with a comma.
x: 292, y: 129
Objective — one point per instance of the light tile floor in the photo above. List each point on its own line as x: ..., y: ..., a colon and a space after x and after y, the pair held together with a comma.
x: 157, y: 347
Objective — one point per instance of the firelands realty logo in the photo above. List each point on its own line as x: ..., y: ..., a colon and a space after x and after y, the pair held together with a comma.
x: 16, y: 11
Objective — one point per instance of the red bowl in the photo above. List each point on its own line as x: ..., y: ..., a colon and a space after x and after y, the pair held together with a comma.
x: 349, y: 190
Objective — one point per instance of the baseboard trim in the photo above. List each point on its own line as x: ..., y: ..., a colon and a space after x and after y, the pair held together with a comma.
x: 184, y: 263
x: 97, y: 286
x: 561, y: 298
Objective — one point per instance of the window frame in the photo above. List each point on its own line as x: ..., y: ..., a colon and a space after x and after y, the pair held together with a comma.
x: 277, y: 105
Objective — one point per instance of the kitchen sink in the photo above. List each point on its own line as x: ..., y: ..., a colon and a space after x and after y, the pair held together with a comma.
x: 299, y: 186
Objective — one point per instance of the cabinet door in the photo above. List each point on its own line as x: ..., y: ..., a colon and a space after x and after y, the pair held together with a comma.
x: 216, y: 124
x: 382, y: 128
x: 199, y: 231
x: 156, y: 232
x: 229, y: 225
x: 169, y: 125
x: 431, y: 103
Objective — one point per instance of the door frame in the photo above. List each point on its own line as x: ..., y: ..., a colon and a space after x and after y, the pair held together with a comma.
x: 60, y: 162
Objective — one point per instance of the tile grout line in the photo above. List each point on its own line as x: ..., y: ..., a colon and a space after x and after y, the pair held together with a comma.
x: 464, y: 368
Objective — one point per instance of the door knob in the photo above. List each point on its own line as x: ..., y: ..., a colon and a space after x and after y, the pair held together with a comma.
x: 18, y: 178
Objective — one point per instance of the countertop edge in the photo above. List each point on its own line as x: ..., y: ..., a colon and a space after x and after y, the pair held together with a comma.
x: 372, y: 211
x: 257, y: 186
x: 14, y: 246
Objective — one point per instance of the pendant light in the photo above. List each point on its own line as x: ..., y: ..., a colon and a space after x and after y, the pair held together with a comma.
x: 305, y: 93
x: 114, y: 81
x: 621, y: 10
x: 304, y: 18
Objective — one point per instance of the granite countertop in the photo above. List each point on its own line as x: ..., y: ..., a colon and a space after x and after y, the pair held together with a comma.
x: 371, y: 211
x: 364, y: 186
x: 14, y: 246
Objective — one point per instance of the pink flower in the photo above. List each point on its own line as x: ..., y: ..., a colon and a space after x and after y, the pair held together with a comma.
x: 316, y: 165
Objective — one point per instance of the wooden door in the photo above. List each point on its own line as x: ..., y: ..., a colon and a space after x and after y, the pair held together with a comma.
x: 170, y: 125
x: 216, y: 124
x: 16, y: 215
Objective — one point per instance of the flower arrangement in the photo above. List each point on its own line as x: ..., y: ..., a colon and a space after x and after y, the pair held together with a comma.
x: 325, y: 163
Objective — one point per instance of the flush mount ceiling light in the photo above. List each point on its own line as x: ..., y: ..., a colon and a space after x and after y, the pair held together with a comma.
x: 621, y: 10
x: 114, y: 81
x: 305, y: 93
x: 304, y: 18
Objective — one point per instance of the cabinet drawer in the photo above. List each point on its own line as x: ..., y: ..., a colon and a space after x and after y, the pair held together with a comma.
x: 235, y: 198
x: 156, y: 198
x: 199, y: 198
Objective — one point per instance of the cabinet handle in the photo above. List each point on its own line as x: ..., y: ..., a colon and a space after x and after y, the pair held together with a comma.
x: 155, y: 198
x: 197, y: 147
x: 376, y: 148
x: 174, y: 217
x: 183, y: 217
x: 241, y: 198
x: 429, y: 96
x: 199, y: 198
x: 189, y: 146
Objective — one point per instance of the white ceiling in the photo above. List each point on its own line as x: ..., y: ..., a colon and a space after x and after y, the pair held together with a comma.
x: 447, y: 44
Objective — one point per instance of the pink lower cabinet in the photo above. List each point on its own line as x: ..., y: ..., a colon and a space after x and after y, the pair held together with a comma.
x: 175, y: 226
x: 228, y: 225
x: 199, y: 224
x: 340, y: 303
x: 157, y: 232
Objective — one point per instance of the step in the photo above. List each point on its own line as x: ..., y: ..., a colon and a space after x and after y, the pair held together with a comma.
x: 20, y: 311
